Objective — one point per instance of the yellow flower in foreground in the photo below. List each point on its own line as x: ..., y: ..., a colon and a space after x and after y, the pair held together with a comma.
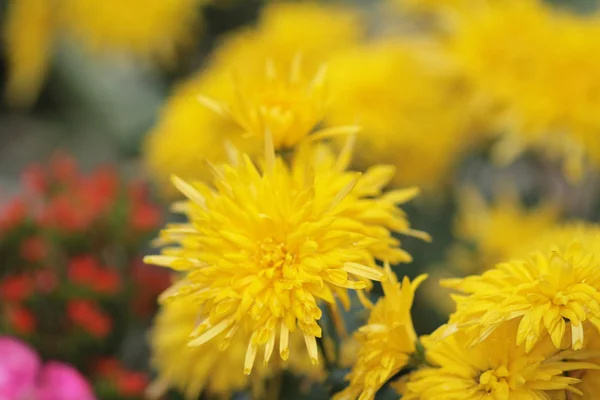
x: 410, y: 104
x: 386, y: 342
x: 542, y: 85
x: 188, y: 133
x: 151, y: 29
x: 265, y: 246
x: 193, y: 370
x: 501, y: 230
x: 494, y: 369
x: 549, y: 293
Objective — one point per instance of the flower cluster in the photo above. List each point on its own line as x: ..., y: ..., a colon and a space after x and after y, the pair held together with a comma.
x: 70, y: 262
x: 526, y: 327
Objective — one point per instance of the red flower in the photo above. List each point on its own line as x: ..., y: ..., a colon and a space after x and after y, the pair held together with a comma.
x: 16, y: 288
x: 21, y: 320
x: 144, y: 217
x: 13, y: 214
x: 106, y: 281
x: 131, y: 384
x: 108, y: 367
x: 82, y: 270
x: 34, y: 249
x: 88, y: 316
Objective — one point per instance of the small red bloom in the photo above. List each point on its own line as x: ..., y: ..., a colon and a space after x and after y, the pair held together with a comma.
x: 34, y: 249
x: 82, y: 270
x: 21, y: 320
x: 16, y: 288
x: 13, y: 214
x: 108, y: 367
x: 106, y: 281
x: 144, y: 217
x: 87, y: 315
x: 130, y: 383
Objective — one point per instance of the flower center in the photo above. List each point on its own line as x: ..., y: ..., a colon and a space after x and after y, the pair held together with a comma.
x: 494, y: 380
x: 275, y: 260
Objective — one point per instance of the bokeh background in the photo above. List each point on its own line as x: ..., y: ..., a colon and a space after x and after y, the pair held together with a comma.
x: 100, y: 105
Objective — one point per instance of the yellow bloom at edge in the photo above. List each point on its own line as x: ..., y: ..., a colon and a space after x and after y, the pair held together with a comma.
x: 149, y: 29
x: 497, y: 368
x: 542, y: 85
x: 193, y: 370
x: 403, y: 126
x: 501, y: 230
x: 265, y: 246
x: 187, y: 133
x: 386, y: 341
x: 550, y: 292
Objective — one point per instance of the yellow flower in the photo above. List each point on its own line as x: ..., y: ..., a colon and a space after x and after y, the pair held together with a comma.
x: 541, y: 84
x: 387, y: 341
x: 188, y: 133
x: 497, y: 368
x: 411, y: 105
x: 193, y: 370
x: 549, y: 293
x: 284, y: 103
x: 501, y: 230
x: 152, y: 29
x: 590, y: 379
x: 264, y: 247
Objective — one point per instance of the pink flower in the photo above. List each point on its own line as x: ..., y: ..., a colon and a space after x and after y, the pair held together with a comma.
x: 19, y: 366
x: 22, y: 376
x: 60, y: 381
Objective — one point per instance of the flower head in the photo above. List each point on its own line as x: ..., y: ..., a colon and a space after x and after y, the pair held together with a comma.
x: 208, y: 367
x: 144, y: 28
x: 497, y: 368
x: 286, y: 104
x: 265, y: 246
x: 188, y: 133
x: 19, y: 367
x: 386, y: 341
x: 549, y: 293
x: 364, y: 84
x: 540, y: 100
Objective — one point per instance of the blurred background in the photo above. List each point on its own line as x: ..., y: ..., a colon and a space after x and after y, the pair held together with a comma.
x: 490, y: 107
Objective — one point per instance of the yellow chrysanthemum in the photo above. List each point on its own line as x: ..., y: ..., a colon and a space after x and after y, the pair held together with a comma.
x: 542, y: 85
x: 264, y: 247
x: 411, y: 105
x: 386, y: 342
x: 501, y: 230
x: 208, y: 367
x: 144, y: 28
x: 284, y: 103
x: 549, y: 293
x: 497, y: 368
x: 590, y: 379
x: 188, y: 133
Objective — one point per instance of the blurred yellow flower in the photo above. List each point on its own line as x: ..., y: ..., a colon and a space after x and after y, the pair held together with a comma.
x: 284, y: 103
x: 386, y: 342
x: 538, y: 68
x: 208, y: 367
x: 187, y: 133
x: 144, y: 28
x: 500, y: 231
x: 265, y: 246
x: 497, y: 368
x: 551, y: 292
x: 411, y: 105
